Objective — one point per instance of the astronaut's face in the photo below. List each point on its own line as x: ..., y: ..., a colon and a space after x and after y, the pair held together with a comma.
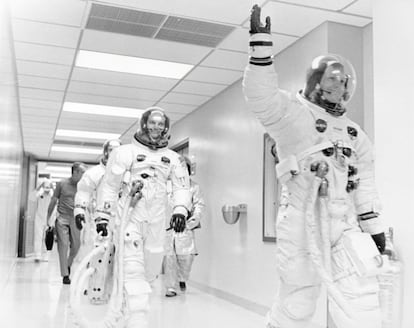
x: 111, y: 146
x: 155, y: 126
x: 333, y: 84
x: 47, y: 187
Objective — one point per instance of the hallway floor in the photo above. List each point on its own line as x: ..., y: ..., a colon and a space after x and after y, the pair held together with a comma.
x: 34, y: 296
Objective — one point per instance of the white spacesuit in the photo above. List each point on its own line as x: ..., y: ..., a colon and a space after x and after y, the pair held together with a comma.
x: 180, y: 246
x: 326, y: 164
x: 148, y: 160
x: 85, y: 199
x: 41, y: 199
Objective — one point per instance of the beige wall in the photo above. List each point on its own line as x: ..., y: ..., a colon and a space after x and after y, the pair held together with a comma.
x: 394, y: 121
x: 11, y: 150
x: 227, y: 142
x: 368, y: 64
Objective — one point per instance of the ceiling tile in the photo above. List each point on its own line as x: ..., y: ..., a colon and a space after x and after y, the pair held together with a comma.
x: 42, y: 53
x: 325, y: 4
x: 114, y: 91
x: 30, y: 111
x: 229, y: 11
x: 226, y: 59
x: 108, y: 101
x: 239, y: 41
x: 183, y: 98
x: 213, y: 75
x: 360, y: 7
x: 36, y: 120
x: 199, y: 88
x: 42, y: 104
x: 39, y: 126
x: 42, y: 94
x: 45, y: 33
x: 29, y: 81
x: 62, y: 12
x: 122, y: 44
x: 177, y: 116
x: 122, y: 79
x: 297, y: 21
x: 32, y: 134
x: 177, y: 108
x: 42, y: 69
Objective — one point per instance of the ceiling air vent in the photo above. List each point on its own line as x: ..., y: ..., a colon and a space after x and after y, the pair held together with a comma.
x: 124, y: 21
x: 193, y: 31
x: 146, y: 24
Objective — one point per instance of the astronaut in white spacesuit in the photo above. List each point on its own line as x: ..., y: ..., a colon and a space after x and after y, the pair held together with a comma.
x: 180, y: 245
x: 41, y: 198
x: 150, y: 163
x: 327, y: 166
x: 85, y: 198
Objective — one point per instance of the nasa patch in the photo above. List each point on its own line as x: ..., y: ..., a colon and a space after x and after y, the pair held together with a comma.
x: 321, y: 125
x: 141, y: 157
x: 165, y: 160
x: 353, y: 133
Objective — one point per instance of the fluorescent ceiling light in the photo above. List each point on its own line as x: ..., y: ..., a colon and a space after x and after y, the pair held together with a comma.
x: 52, y: 176
x: 86, y: 134
x: 102, y: 110
x: 132, y: 65
x: 80, y: 150
x: 57, y: 168
x: 6, y: 144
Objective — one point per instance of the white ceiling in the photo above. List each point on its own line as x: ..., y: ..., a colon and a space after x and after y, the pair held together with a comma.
x: 48, y: 35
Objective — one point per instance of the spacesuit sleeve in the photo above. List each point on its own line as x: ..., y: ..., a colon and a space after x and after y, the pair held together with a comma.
x: 107, y: 197
x: 198, y: 207
x: 260, y: 86
x: 180, y: 182
x: 366, y: 195
x: 85, y: 188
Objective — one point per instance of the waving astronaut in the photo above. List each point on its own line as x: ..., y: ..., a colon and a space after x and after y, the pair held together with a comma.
x: 85, y: 198
x: 327, y: 166
x: 149, y: 161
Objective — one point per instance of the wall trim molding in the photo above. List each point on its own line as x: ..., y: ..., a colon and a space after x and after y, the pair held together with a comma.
x: 229, y: 297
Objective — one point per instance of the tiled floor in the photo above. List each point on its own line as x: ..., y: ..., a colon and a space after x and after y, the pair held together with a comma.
x: 33, y: 296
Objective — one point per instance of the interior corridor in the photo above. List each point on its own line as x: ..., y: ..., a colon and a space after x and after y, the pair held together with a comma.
x: 33, y: 296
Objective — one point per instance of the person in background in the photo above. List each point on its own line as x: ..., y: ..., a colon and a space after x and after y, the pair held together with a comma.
x: 180, y: 248
x: 68, y: 236
x: 85, y: 198
x: 331, y: 222
x: 149, y: 163
x: 41, y: 198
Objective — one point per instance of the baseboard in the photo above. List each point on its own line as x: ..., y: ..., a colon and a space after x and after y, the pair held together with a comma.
x: 237, y: 300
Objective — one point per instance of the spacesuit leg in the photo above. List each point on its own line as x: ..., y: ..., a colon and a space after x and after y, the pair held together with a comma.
x: 137, y: 289
x: 170, y: 274
x: 154, y: 249
x: 362, y: 294
x: 294, y: 306
x: 185, y: 263
x: 38, y: 239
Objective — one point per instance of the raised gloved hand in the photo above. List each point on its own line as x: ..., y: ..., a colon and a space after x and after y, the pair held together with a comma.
x: 79, y: 220
x: 178, y: 222
x: 380, y: 241
x: 255, y: 25
x: 102, y: 228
